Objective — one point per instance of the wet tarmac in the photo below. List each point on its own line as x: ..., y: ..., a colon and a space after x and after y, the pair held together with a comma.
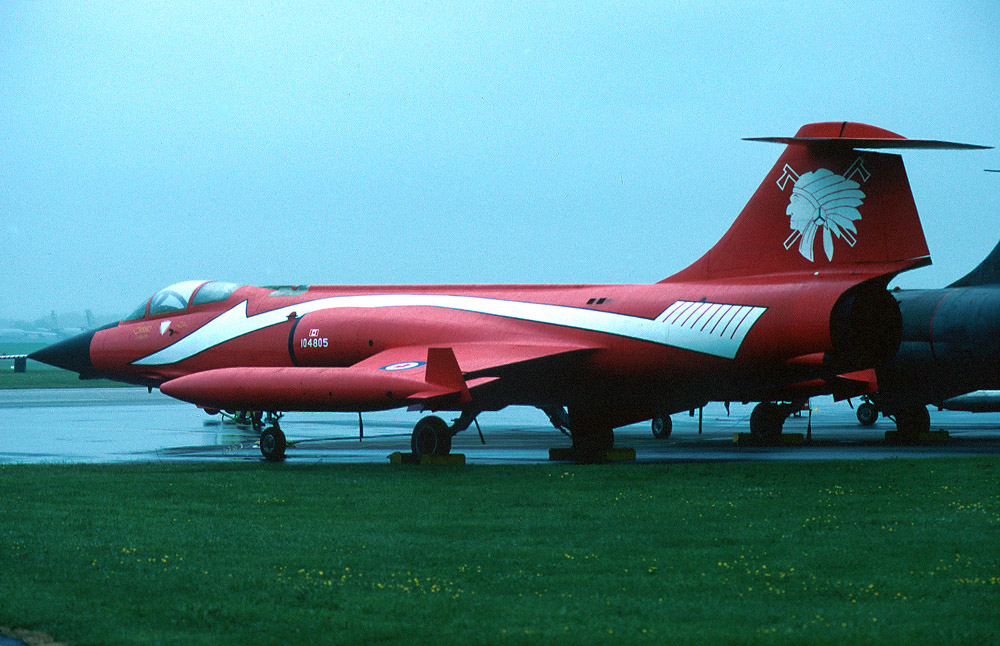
x: 131, y: 425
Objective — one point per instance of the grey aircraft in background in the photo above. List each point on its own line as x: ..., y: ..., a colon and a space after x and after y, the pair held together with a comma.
x: 950, y: 353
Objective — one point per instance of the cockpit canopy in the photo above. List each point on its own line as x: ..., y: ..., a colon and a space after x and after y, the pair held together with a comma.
x: 180, y: 296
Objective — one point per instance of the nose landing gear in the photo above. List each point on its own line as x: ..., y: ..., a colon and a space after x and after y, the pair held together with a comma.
x: 273, y: 443
x: 272, y: 438
x: 662, y: 426
x: 867, y: 414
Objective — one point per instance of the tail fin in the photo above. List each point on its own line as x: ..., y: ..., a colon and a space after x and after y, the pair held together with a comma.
x: 825, y: 206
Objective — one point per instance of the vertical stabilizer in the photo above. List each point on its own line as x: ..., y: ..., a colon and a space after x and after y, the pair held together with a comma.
x: 829, y: 203
x: 986, y: 273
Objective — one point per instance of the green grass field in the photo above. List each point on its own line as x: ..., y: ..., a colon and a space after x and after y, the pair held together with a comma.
x: 887, y: 551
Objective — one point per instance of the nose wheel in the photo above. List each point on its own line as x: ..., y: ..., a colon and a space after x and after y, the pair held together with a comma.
x: 272, y: 444
x: 867, y: 414
x: 662, y: 425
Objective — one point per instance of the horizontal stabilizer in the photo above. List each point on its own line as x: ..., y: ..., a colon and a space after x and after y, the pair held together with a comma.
x: 847, y: 134
x: 872, y: 143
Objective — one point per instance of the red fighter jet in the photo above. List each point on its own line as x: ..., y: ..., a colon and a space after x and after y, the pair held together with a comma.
x: 789, y: 304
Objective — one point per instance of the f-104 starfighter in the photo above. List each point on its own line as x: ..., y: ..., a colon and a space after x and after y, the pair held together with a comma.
x: 790, y: 303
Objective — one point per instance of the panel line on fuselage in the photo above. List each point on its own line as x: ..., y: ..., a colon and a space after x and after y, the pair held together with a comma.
x: 236, y: 323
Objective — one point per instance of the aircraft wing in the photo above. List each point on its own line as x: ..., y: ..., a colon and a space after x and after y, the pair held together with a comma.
x: 416, y: 375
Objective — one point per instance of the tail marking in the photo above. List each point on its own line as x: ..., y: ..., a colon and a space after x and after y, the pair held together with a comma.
x: 823, y: 199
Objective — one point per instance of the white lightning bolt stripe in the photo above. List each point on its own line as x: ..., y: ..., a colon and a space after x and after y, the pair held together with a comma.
x: 712, y: 328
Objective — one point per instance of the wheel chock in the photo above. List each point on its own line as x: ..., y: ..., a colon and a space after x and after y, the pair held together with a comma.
x: 569, y: 454
x: 925, y: 437
x: 452, y: 459
x: 785, y: 439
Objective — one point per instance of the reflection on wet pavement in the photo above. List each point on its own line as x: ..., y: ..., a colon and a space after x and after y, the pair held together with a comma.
x: 129, y: 424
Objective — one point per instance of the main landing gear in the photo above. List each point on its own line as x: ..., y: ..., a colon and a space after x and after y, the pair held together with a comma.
x: 593, y: 436
x: 911, y: 422
x: 432, y: 435
x: 768, y: 418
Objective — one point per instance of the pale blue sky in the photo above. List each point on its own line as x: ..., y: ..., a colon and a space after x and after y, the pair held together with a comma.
x: 144, y: 144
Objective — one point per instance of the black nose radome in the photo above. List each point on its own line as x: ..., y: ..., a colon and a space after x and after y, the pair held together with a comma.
x: 70, y: 354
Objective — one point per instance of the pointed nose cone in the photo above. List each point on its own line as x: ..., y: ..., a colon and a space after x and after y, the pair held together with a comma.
x: 70, y: 354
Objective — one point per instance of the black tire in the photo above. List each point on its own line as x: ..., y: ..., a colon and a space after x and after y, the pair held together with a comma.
x: 591, y: 444
x: 913, y: 421
x: 662, y: 426
x: 766, y: 420
x: 867, y: 414
x: 431, y: 436
x: 273, y: 444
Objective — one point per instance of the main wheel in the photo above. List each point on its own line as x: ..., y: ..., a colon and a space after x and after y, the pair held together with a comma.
x: 662, y: 426
x: 272, y: 444
x: 766, y: 420
x: 431, y: 436
x: 913, y: 421
x: 867, y: 414
x: 591, y: 443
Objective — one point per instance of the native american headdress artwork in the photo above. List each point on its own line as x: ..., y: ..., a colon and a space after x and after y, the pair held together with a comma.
x: 821, y: 198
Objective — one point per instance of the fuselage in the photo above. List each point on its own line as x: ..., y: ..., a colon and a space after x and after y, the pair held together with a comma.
x: 669, y: 346
x: 950, y: 346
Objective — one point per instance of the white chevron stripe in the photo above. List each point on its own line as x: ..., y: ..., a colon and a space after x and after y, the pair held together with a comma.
x: 712, y: 328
